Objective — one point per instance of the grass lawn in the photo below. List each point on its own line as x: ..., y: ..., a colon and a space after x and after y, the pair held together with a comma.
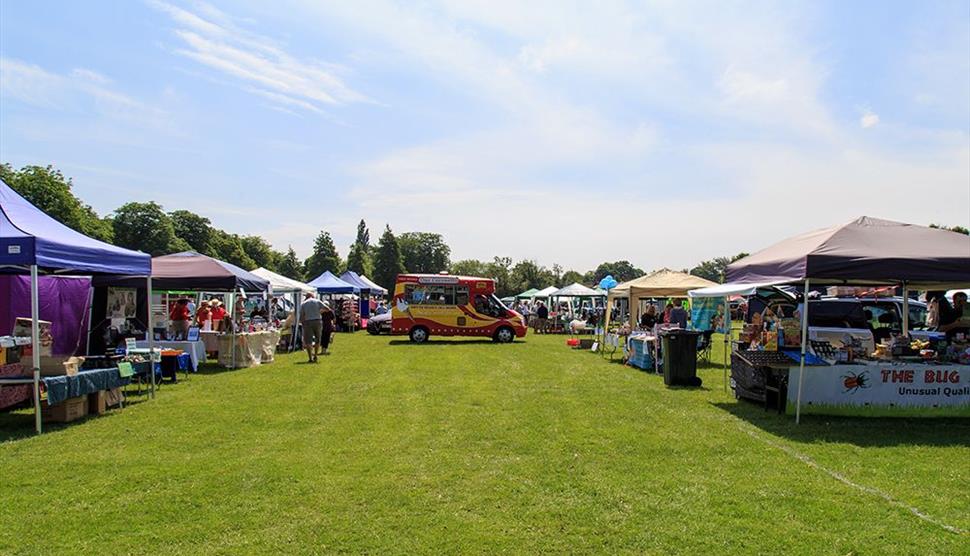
x: 466, y: 446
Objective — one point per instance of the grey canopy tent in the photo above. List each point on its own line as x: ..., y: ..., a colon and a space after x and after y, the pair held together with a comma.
x: 866, y: 251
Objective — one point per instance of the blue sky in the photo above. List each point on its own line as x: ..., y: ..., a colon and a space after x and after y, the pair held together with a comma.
x: 570, y: 133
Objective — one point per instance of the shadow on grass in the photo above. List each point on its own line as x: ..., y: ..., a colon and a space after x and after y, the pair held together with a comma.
x: 858, y: 431
x: 19, y: 424
x: 449, y: 342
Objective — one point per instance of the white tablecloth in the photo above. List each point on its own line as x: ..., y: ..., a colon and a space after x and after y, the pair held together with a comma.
x: 196, y: 350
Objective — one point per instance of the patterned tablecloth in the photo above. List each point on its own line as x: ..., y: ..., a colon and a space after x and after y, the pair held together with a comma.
x: 251, y: 348
x: 15, y: 393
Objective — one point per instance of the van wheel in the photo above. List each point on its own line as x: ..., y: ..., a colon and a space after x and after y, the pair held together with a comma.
x: 504, y: 335
x: 419, y: 334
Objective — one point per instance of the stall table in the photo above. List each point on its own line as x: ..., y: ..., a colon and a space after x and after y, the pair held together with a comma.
x: 866, y: 387
x: 250, y: 348
x: 196, y: 350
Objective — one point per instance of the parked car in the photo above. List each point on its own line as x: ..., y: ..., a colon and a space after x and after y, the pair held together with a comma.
x: 379, y: 324
x: 870, y: 320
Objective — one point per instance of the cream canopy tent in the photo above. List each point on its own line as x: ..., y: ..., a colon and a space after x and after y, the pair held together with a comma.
x: 282, y: 284
x: 662, y: 283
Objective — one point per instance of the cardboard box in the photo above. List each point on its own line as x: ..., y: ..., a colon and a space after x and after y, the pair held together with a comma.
x: 97, y: 403
x: 71, y: 409
x: 114, y: 397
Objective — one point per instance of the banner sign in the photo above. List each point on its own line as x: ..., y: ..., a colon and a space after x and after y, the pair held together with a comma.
x: 886, y: 386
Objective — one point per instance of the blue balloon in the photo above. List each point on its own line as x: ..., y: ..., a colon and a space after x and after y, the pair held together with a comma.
x: 608, y: 282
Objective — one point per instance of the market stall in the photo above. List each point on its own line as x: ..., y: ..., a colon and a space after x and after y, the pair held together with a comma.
x: 31, y: 243
x: 191, y: 271
x: 294, y: 289
x: 364, y: 291
x: 375, y: 289
x: 342, y: 295
x: 661, y: 284
x: 902, y: 376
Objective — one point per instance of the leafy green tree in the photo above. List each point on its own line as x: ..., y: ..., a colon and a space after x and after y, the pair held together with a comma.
x: 47, y: 189
x: 620, y: 270
x: 424, y: 252
x: 261, y: 252
x: 387, y: 262
x: 529, y: 274
x: 571, y: 276
x: 957, y: 229
x: 323, y: 258
x: 228, y: 247
x: 194, y: 229
x: 359, y: 259
x: 469, y: 267
x: 500, y: 270
x: 145, y: 227
x: 289, y: 265
x: 714, y: 269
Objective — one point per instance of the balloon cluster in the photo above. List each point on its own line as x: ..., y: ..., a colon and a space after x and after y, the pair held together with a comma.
x: 608, y: 282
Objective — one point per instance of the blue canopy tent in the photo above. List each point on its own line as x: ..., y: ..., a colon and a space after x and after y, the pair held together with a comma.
x: 33, y: 242
x: 328, y: 283
x: 352, y: 277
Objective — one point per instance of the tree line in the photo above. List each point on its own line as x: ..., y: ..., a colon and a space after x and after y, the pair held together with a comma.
x: 147, y: 227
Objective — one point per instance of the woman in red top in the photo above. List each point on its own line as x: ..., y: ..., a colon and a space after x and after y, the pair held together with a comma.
x: 218, y: 312
x: 202, y: 315
x: 180, y: 317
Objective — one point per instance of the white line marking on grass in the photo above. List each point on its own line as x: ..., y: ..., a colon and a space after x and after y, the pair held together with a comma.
x: 846, y: 481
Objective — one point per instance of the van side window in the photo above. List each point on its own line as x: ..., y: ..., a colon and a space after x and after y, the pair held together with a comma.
x: 461, y: 295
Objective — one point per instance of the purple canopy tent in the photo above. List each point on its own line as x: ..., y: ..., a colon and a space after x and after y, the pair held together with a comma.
x: 866, y: 251
x: 64, y: 302
x: 33, y: 242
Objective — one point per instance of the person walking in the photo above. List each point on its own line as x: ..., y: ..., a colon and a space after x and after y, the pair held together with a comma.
x: 311, y: 317
x: 327, y: 319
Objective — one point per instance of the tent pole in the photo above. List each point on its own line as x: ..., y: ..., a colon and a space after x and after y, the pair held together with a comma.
x: 905, y: 310
x: 801, y: 364
x: 35, y: 343
x: 87, y: 346
x: 232, y: 319
x: 726, y: 322
x: 151, y: 337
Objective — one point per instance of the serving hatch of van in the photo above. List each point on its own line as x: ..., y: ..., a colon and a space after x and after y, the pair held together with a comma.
x: 427, y: 305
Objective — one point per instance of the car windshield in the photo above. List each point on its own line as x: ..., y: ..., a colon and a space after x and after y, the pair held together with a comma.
x: 837, y: 314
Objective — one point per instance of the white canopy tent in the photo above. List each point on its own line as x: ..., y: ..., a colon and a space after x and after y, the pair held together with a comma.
x: 545, y: 293
x: 576, y: 290
x: 282, y: 284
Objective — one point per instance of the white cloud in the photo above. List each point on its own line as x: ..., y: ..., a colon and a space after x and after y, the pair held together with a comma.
x: 78, y: 90
x: 868, y: 119
x: 262, y: 67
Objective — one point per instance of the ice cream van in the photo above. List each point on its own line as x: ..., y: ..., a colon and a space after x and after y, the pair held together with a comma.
x: 426, y: 305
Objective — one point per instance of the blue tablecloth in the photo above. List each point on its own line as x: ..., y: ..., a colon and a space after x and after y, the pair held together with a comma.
x: 60, y: 388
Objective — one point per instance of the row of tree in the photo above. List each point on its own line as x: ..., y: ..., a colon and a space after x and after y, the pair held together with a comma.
x: 147, y: 227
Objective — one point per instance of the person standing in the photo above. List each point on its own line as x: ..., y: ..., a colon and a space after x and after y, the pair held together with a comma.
x: 218, y: 314
x: 202, y: 316
x: 179, y: 315
x: 327, y: 319
x: 678, y: 315
x: 311, y: 317
x: 542, y: 318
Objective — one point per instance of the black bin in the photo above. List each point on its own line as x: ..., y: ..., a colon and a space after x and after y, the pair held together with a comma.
x: 680, y: 357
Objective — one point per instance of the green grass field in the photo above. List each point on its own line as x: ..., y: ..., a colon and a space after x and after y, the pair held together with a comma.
x: 467, y: 446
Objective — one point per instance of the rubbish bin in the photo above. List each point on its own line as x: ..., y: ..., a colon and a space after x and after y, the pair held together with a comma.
x: 680, y: 357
